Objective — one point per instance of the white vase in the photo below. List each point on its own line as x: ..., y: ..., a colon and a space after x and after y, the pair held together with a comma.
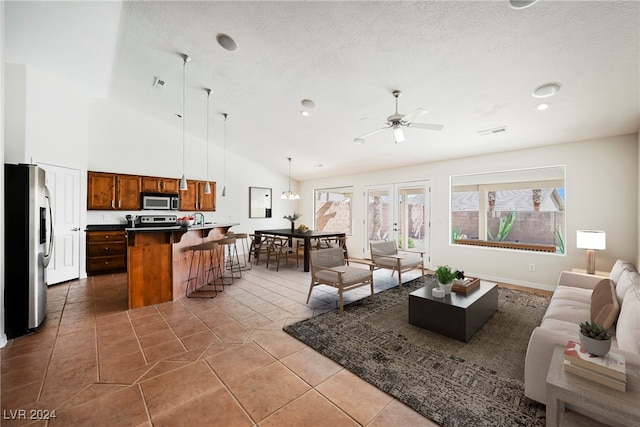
x: 595, y: 347
x: 446, y: 288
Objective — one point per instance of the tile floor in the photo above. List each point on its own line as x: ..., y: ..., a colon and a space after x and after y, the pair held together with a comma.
x: 192, y: 362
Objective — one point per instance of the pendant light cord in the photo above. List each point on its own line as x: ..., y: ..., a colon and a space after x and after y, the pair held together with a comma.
x: 224, y: 169
x: 184, y: 89
x: 208, y: 95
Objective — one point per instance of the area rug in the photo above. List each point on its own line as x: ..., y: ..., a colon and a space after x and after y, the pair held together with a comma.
x: 479, y: 383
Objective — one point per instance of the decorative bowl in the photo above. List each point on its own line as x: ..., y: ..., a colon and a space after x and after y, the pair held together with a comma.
x: 186, y: 222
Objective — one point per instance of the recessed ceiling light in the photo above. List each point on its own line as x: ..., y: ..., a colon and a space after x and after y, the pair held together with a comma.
x: 226, y: 42
x: 542, y: 106
x: 307, y: 103
x: 546, y: 90
x: 521, y: 4
x: 304, y: 113
x: 359, y: 140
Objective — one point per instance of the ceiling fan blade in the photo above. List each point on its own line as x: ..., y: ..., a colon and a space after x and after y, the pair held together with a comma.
x: 375, y: 120
x: 415, y: 113
x: 368, y: 134
x: 424, y: 126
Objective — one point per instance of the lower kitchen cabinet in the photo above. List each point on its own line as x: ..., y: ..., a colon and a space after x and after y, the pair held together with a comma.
x: 106, y: 252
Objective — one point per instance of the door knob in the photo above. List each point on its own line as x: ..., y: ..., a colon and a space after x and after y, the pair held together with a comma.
x: 75, y: 229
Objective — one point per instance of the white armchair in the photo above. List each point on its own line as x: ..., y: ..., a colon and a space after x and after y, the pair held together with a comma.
x: 328, y: 268
x: 384, y: 254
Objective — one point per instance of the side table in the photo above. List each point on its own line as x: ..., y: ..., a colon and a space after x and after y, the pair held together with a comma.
x: 565, y: 389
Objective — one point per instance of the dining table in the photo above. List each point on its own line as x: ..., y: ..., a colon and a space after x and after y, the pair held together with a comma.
x: 306, y: 235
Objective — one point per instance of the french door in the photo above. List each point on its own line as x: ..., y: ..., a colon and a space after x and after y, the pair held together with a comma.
x: 399, y: 212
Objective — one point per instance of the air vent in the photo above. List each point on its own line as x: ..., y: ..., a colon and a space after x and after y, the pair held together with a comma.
x: 492, y: 131
x: 159, y: 83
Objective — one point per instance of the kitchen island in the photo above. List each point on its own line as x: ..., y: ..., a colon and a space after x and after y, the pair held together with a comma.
x: 158, y: 260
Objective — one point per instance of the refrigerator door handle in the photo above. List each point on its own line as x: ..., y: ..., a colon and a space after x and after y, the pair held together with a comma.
x: 49, y: 250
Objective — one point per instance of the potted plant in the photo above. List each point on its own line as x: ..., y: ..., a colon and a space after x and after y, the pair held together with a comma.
x: 445, y: 276
x: 595, y: 338
x: 293, y: 218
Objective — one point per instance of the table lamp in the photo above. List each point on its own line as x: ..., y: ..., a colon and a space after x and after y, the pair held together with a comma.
x: 591, y: 240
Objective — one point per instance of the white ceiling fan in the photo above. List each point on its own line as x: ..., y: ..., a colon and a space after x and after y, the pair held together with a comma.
x: 397, y: 121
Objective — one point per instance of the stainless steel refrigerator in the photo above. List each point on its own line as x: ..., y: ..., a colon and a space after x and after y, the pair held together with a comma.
x: 28, y: 247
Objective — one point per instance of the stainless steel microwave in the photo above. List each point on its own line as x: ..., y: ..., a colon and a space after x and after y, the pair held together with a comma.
x: 160, y: 201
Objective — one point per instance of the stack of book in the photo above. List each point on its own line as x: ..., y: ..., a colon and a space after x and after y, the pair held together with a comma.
x: 608, y: 370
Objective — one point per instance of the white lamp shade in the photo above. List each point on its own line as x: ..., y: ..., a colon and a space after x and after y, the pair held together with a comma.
x: 591, y: 239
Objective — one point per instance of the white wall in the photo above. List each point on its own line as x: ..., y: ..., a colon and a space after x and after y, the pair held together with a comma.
x: 45, y: 121
x: 126, y: 141
x: 601, y: 193
x: 3, y: 336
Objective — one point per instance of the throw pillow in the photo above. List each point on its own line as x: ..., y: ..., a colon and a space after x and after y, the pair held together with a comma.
x: 604, y: 304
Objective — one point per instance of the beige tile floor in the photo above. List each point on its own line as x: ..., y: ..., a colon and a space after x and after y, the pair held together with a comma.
x: 192, y: 362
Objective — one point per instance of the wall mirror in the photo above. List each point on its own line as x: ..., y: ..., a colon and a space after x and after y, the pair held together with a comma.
x: 514, y: 209
x: 259, y: 202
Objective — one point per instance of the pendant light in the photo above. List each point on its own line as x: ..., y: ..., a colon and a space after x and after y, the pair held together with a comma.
x: 224, y: 160
x: 207, y: 186
x: 183, y: 180
x: 289, y: 195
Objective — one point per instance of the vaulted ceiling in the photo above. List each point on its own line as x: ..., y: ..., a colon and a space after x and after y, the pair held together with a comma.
x: 472, y: 64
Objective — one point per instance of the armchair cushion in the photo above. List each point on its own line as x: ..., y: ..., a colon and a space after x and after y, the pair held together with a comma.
x: 380, y: 249
x: 350, y: 275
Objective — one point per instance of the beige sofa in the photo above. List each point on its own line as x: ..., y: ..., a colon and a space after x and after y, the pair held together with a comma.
x: 570, y: 305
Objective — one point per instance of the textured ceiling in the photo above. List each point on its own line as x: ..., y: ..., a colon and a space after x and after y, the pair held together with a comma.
x: 473, y: 65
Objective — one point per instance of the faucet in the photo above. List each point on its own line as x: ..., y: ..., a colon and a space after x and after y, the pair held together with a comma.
x: 199, y: 218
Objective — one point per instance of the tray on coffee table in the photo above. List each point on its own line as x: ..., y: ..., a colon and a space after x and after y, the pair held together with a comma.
x: 465, y: 286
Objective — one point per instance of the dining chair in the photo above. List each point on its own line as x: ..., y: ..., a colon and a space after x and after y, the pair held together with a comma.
x: 278, y: 247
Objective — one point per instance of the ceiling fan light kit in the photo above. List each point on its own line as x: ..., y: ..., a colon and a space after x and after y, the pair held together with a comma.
x: 397, y: 121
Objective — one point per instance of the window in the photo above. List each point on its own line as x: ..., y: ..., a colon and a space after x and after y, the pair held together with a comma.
x: 333, y: 209
x: 520, y: 209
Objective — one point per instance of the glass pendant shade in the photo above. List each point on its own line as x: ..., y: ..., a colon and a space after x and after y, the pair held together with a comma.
x: 207, y: 188
x: 183, y: 183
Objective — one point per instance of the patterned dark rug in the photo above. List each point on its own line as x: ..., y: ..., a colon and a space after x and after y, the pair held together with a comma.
x: 452, y: 383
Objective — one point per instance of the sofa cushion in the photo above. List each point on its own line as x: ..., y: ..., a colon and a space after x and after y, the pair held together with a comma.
x: 618, y: 268
x: 572, y: 295
x: 628, y: 327
x: 625, y: 281
x: 569, y: 310
x: 604, y: 304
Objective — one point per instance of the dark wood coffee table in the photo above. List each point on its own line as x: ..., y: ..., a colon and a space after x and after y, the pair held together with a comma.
x: 456, y: 316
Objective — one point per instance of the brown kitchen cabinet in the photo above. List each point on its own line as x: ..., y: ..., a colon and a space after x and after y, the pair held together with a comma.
x: 106, y: 252
x: 110, y: 191
x: 154, y: 184
x: 194, y: 198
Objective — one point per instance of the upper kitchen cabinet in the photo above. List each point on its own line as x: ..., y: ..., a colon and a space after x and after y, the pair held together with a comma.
x: 194, y: 198
x: 153, y: 184
x: 108, y: 191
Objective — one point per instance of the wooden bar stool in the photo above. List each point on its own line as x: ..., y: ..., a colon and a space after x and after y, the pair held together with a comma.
x: 245, y: 262
x: 231, y: 262
x: 205, y: 263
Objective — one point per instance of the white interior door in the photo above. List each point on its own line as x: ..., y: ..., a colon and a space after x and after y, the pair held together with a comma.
x: 64, y: 186
x: 399, y: 212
